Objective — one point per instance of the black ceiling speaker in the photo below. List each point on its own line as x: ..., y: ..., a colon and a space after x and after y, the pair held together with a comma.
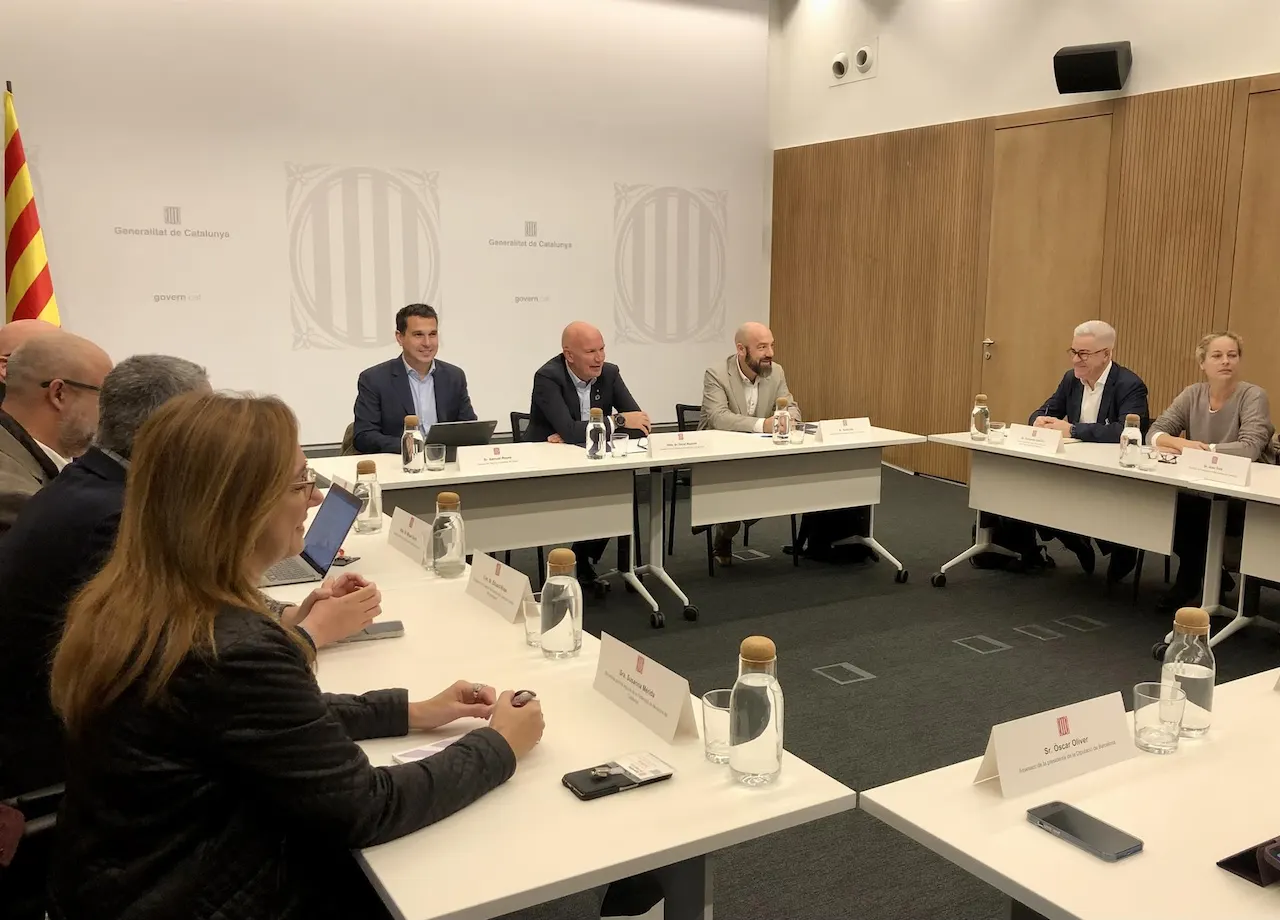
x: 1093, y: 68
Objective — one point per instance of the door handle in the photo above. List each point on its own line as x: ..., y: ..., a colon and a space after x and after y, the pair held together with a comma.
x: 986, y: 348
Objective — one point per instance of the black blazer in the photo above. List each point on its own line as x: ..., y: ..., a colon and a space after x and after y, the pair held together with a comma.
x: 555, y: 408
x: 383, y: 399
x: 60, y: 540
x: 242, y: 795
x: 1124, y: 394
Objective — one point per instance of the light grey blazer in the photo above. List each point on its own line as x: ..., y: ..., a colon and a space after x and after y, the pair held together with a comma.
x: 724, y: 397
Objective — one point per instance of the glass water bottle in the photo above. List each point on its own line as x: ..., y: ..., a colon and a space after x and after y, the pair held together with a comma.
x: 448, y: 537
x: 782, y: 421
x: 1189, y: 664
x: 412, y: 444
x: 597, y: 436
x: 755, y: 714
x: 561, y: 606
x: 979, y: 418
x: 1130, y: 441
x: 369, y: 520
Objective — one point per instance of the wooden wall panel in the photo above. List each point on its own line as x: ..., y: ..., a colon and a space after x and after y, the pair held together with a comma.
x: 877, y: 280
x: 1167, y: 234
x: 1255, y: 282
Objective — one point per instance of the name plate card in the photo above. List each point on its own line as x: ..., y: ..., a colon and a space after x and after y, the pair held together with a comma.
x: 1037, y: 751
x: 497, y: 586
x: 658, y: 698
x: 678, y: 442
x: 1204, y: 464
x: 842, y: 429
x: 409, y: 535
x: 342, y: 483
x: 487, y: 457
x: 1040, y: 440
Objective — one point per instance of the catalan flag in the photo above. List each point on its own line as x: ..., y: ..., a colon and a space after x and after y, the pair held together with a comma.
x: 28, y: 289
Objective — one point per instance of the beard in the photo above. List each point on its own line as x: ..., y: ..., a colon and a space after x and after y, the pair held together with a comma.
x: 76, y: 434
x: 762, y: 367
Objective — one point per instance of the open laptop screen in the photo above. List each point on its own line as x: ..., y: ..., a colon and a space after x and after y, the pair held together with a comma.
x: 332, y: 523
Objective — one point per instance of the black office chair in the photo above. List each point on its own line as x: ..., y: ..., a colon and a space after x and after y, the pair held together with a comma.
x: 519, y: 427
x: 23, y: 884
x: 687, y: 418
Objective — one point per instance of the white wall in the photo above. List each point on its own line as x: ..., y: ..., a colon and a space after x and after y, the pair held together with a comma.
x: 361, y: 154
x: 951, y: 60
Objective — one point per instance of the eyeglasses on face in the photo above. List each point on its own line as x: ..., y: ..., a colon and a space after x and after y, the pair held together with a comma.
x: 70, y: 383
x: 1084, y: 355
x: 307, y: 483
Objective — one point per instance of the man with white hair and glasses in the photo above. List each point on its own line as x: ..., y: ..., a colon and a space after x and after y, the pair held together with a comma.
x: 1090, y: 404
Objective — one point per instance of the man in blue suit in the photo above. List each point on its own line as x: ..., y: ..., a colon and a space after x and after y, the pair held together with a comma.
x: 415, y: 383
x: 1091, y: 403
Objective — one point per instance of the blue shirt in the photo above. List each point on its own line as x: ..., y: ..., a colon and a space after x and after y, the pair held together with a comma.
x: 424, y: 396
x: 584, y: 395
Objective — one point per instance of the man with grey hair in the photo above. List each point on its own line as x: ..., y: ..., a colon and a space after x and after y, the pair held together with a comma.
x: 1090, y: 404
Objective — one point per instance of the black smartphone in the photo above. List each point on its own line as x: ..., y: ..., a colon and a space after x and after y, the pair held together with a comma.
x: 386, y: 629
x: 1085, y: 831
x: 629, y: 772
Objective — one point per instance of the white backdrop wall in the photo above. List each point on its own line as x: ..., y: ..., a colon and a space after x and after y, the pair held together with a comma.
x: 951, y: 60
x: 259, y: 185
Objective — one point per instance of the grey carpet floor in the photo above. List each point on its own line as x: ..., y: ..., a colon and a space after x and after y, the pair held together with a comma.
x: 931, y: 701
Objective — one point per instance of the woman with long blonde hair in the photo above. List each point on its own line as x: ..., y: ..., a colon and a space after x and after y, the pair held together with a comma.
x: 207, y: 775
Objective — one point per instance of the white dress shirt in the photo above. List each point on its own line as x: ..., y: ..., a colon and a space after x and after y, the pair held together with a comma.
x: 58, y: 460
x: 752, y: 390
x: 1091, y: 402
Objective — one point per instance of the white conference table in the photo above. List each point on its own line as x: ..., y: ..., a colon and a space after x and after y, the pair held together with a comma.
x: 553, y: 494
x: 1083, y: 489
x: 531, y: 841
x: 1208, y: 801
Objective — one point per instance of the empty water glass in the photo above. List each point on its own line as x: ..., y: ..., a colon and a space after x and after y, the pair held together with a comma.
x: 1157, y: 716
x: 435, y: 456
x: 532, y: 610
x: 1148, y: 458
x: 715, y: 725
x: 621, y: 444
x: 996, y: 432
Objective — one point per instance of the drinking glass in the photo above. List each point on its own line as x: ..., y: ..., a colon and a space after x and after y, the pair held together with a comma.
x: 1148, y: 458
x: 621, y: 444
x: 532, y: 610
x: 715, y: 725
x: 435, y: 456
x: 996, y: 432
x: 1157, y: 716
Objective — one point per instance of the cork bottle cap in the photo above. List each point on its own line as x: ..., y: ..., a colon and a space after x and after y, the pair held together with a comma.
x: 980, y: 398
x: 758, y: 648
x: 1191, y: 621
x: 411, y: 421
x: 365, y: 467
x: 448, y: 501
x: 1131, y: 420
x: 561, y: 561
x: 597, y: 414
x: 782, y: 402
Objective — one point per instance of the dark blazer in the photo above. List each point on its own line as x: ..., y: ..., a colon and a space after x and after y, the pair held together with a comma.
x: 1124, y: 394
x: 242, y: 795
x: 555, y: 408
x: 60, y: 540
x: 383, y: 399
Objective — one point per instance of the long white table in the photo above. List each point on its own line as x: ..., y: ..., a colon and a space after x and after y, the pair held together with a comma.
x: 1190, y: 809
x: 531, y: 841
x: 554, y: 494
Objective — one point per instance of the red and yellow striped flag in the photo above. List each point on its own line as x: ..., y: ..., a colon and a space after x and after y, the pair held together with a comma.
x: 28, y: 289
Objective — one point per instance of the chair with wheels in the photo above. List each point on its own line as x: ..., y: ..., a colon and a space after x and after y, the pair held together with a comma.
x: 519, y: 427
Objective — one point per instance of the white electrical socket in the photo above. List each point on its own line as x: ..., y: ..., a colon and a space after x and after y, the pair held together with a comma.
x: 860, y: 62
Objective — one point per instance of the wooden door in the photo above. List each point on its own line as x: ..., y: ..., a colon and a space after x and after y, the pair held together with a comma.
x: 1044, y: 277
x: 1255, y: 282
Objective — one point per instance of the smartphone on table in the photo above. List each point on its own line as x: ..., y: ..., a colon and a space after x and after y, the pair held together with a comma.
x: 628, y: 772
x: 385, y: 629
x: 1084, y: 830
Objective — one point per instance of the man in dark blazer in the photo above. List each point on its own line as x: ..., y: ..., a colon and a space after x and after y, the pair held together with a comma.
x: 413, y: 383
x: 1091, y: 403
x: 565, y: 390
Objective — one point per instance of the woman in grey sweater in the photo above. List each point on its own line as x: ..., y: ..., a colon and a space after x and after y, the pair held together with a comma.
x: 1222, y: 414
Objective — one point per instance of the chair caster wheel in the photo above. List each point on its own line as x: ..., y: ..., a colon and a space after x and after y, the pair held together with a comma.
x: 600, y: 590
x: 939, y: 580
x: 1158, y: 650
x: 690, y: 612
x: 657, y: 620
x: 900, y: 577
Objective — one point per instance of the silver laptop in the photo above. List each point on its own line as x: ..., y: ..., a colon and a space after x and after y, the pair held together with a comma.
x: 324, y: 538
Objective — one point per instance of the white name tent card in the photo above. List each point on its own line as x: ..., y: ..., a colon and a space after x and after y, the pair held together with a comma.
x: 497, y: 586
x: 487, y: 457
x: 842, y: 429
x: 676, y: 442
x: 409, y: 535
x: 1040, y: 440
x: 657, y: 697
x: 1037, y: 751
x: 343, y: 483
x: 1214, y: 467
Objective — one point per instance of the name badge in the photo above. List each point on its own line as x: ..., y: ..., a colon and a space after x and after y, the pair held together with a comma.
x: 677, y: 442
x: 1037, y: 751
x: 658, y: 698
x: 499, y: 587
x: 487, y: 457
x: 1205, y: 464
x: 842, y: 429
x: 409, y: 535
x: 1040, y: 440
